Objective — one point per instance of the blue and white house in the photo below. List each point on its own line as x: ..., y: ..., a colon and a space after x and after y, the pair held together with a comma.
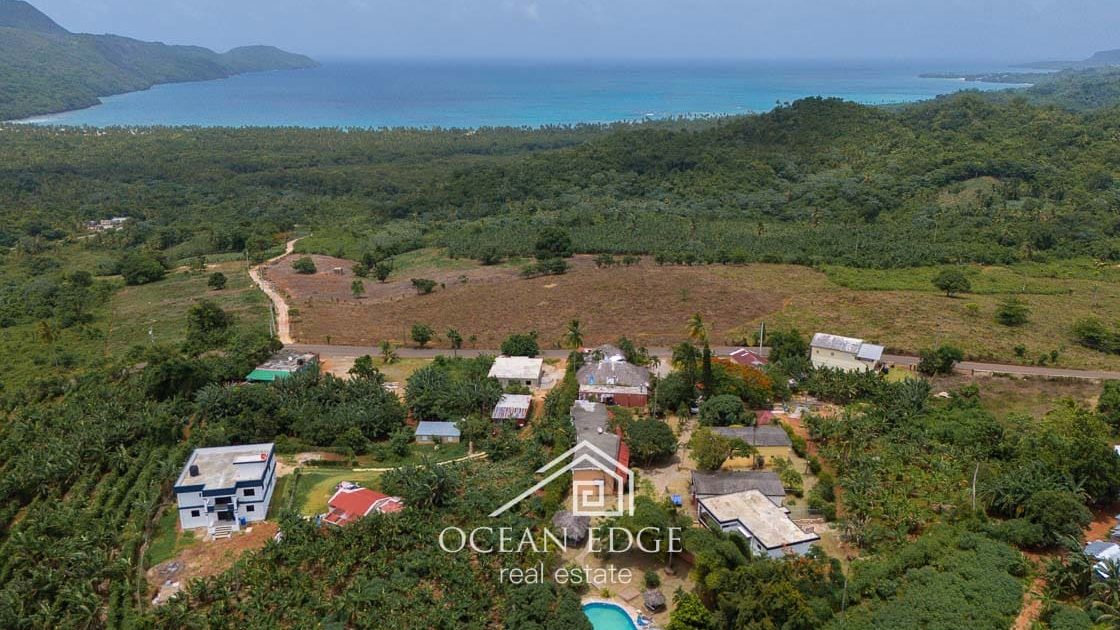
x: 227, y: 487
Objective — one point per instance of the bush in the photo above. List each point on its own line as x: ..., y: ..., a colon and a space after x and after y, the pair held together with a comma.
x: 1108, y: 405
x: 722, y: 411
x: 217, y: 281
x: 553, y: 242
x: 141, y: 269
x: 952, y: 282
x: 547, y: 267
x: 652, y: 580
x: 422, y: 334
x: 521, y: 345
x: 1013, y: 312
x: 423, y: 286
x: 1091, y: 333
x: 939, y: 360
x: 304, y: 265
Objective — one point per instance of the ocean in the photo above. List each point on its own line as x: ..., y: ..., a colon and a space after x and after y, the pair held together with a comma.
x: 347, y: 93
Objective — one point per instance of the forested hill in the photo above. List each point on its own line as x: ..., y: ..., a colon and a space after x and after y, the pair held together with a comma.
x: 44, y: 68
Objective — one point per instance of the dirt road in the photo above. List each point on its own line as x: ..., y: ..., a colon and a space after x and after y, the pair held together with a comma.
x: 283, y: 325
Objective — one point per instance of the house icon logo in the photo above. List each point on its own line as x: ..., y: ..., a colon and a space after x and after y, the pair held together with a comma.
x: 601, y: 485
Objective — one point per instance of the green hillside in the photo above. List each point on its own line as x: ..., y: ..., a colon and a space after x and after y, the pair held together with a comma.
x: 45, y: 69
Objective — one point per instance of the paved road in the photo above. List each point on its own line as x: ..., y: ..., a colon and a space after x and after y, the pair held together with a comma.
x: 967, y: 367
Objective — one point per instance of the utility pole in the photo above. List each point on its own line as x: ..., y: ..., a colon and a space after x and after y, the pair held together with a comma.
x: 975, y: 472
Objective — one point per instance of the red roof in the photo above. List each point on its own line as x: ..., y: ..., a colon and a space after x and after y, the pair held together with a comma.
x: 349, y: 505
x: 749, y: 358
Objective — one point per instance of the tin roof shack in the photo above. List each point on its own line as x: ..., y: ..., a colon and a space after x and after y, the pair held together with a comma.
x: 606, y: 376
x: 282, y: 365
x: 518, y: 371
x: 714, y: 484
x: 429, y: 432
x: 513, y: 407
x: 748, y: 358
x: 752, y: 515
x: 844, y: 353
x: 226, y: 487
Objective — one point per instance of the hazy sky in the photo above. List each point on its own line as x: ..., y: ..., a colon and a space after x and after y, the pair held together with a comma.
x: 921, y: 29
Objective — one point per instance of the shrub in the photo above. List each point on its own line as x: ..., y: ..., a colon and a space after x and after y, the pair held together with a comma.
x: 939, y: 360
x: 217, y: 281
x: 1108, y: 405
x: 422, y: 334
x: 1013, y: 312
x: 304, y: 265
x: 423, y: 286
x: 141, y: 269
x: 553, y: 242
x: 952, y: 282
x: 521, y: 345
x: 652, y: 580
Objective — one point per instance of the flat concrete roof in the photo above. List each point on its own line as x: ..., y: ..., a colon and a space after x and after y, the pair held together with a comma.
x: 223, y: 466
x: 769, y: 523
x: 519, y: 368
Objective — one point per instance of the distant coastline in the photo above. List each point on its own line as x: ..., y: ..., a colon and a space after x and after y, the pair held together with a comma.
x: 427, y: 94
x: 45, y: 117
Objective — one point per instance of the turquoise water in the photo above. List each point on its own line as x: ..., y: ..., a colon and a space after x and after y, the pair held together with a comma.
x: 462, y: 94
x: 608, y: 617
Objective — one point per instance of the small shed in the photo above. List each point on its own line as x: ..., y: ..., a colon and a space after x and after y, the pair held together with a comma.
x: 654, y: 600
x: 512, y: 407
x: 571, y: 528
x: 428, y: 432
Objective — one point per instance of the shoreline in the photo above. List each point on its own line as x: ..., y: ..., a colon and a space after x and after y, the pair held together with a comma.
x: 56, y: 118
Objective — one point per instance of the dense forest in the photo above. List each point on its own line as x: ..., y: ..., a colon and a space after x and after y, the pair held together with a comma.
x: 967, y: 178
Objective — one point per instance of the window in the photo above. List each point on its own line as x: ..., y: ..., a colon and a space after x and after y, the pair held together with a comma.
x: 250, y: 492
x: 194, y: 513
x: 250, y: 508
x: 222, y: 501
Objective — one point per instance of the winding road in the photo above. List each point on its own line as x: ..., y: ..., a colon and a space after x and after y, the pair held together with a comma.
x: 283, y: 324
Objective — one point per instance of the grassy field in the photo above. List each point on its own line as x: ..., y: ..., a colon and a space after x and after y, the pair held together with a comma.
x: 1004, y: 396
x: 161, y: 307
x: 651, y: 304
x: 309, y: 491
x: 167, y: 540
x: 315, y: 487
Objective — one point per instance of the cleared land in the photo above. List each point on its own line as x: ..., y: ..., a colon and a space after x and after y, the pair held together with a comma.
x: 651, y: 303
x: 161, y: 307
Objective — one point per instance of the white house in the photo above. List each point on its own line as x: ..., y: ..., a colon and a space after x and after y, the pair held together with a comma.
x: 524, y: 371
x: 224, y: 488
x: 752, y: 515
x: 844, y: 353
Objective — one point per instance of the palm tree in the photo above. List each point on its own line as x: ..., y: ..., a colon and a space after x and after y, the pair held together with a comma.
x: 388, y: 355
x: 456, y: 341
x: 573, y: 338
x: 697, y: 330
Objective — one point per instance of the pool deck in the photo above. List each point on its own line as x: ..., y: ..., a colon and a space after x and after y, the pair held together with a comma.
x: 623, y: 606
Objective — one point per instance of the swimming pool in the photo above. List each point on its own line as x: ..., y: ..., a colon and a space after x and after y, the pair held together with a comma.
x: 608, y: 617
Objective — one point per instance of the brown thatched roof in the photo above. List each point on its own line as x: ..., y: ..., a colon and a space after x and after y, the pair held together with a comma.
x: 654, y: 600
x: 571, y: 528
